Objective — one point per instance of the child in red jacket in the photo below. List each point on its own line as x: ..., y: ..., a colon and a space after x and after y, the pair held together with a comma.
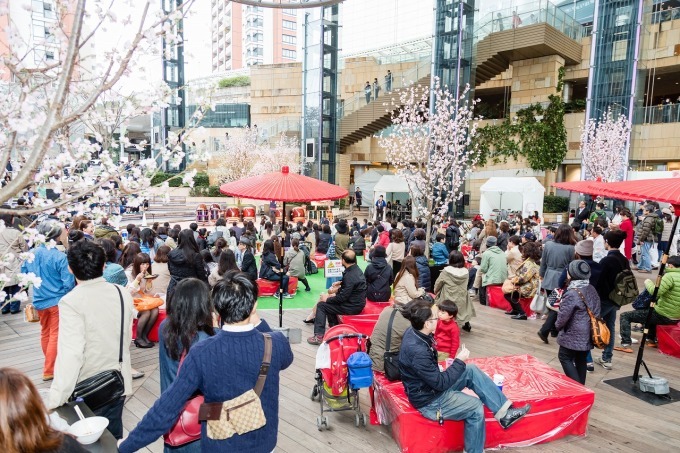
x: 447, y: 334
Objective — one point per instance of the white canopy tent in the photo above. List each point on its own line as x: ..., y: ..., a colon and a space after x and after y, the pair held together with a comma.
x: 366, y: 182
x: 391, y: 184
x: 511, y: 194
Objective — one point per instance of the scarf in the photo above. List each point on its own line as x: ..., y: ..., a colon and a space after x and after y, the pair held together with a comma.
x: 578, y: 284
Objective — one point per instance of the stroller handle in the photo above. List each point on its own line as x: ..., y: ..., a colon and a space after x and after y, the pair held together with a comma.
x: 348, y: 335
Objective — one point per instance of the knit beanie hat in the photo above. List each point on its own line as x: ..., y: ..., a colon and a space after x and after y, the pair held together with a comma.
x: 579, y: 270
x: 584, y: 248
x: 491, y: 241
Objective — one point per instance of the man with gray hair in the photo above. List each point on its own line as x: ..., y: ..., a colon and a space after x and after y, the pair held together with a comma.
x: 646, y: 236
x: 52, y: 267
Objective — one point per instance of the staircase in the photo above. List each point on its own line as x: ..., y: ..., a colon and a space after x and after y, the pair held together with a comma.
x: 175, y: 211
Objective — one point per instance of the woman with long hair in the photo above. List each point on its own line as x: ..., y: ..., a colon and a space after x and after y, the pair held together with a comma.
x: 627, y: 225
x: 526, y: 279
x: 406, y: 282
x: 185, y: 262
x: 324, y: 240
x: 188, y: 322
x: 221, y: 245
x: 489, y: 230
x: 227, y: 262
x: 141, y: 287
x: 294, y: 260
x: 130, y: 250
x: 149, y: 243
x: 267, y: 231
x: 24, y: 422
x: 395, y: 250
x: 452, y: 284
x: 270, y: 268
x: 557, y: 254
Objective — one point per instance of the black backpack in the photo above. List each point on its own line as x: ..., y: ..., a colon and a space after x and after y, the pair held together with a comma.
x: 452, y: 237
x: 625, y: 288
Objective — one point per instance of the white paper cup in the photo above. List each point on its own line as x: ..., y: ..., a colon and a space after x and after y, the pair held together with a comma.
x: 499, y: 379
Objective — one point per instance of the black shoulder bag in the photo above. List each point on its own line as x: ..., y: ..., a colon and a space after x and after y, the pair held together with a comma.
x: 391, y: 359
x: 108, y: 386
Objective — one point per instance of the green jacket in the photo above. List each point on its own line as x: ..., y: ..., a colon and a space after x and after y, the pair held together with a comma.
x: 494, y: 266
x: 668, y: 298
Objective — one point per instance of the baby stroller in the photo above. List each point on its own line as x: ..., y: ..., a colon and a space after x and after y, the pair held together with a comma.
x: 332, y: 389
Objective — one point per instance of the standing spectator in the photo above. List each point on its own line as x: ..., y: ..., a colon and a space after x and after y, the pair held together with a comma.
x: 358, y: 196
x: 12, y: 244
x: 52, y: 268
x: 599, y: 250
x: 238, y: 231
x: 90, y: 338
x: 452, y: 235
x: 452, y: 285
x: 349, y: 297
x: 388, y: 81
x: 424, y: 275
x: 406, y: 285
x: 113, y: 272
x: 645, y: 233
x: 189, y: 321
x: 270, y: 269
x: 513, y: 256
x: 516, y: 20
x: 223, y: 367
x: 376, y: 88
x: 185, y: 262
x: 379, y: 277
x: 581, y: 216
x: 557, y: 254
x: 494, y: 267
x: 380, y: 208
x: 627, y: 227
x: 226, y: 263
x: 526, y: 279
x: 666, y: 234
x: 499, y: 22
x: 24, y: 422
x: 447, y: 334
x: 294, y: 260
x: 573, y: 321
x: 610, y: 266
x: 367, y: 92
x: 395, y: 251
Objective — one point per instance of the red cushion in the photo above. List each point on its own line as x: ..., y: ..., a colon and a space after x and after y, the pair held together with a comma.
x: 153, y: 333
x: 668, y: 338
x: 495, y: 299
x: 319, y: 259
x: 270, y: 287
x: 559, y: 407
x: 365, y: 321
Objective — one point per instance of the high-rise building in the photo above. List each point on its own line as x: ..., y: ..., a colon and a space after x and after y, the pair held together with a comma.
x: 244, y: 36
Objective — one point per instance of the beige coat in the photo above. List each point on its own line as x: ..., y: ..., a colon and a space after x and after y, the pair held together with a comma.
x: 395, y: 252
x: 160, y: 284
x: 514, y: 259
x: 406, y: 289
x: 12, y: 242
x: 89, y: 337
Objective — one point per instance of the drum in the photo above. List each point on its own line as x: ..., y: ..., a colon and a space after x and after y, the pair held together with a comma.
x: 249, y: 213
x: 233, y: 214
x: 202, y: 213
x: 215, y: 212
x: 278, y: 213
x: 299, y: 214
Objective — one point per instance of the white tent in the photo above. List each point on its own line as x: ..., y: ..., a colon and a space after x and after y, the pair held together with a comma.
x: 511, y: 194
x: 366, y: 182
x: 391, y: 184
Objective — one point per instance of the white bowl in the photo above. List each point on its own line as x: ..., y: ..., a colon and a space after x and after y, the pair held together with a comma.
x: 89, y: 430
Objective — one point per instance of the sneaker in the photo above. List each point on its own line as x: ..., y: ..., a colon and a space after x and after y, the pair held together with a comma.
x: 472, y: 292
x: 287, y: 296
x: 590, y: 367
x: 520, y: 317
x: 636, y: 328
x: 625, y: 345
x: 603, y: 364
x: 635, y: 340
x: 308, y: 289
x: 47, y: 377
x: 533, y: 316
x: 513, y: 415
x: 315, y: 340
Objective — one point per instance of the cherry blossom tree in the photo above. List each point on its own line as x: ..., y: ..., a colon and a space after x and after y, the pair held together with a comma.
x: 432, y: 148
x: 48, y: 105
x: 603, y: 147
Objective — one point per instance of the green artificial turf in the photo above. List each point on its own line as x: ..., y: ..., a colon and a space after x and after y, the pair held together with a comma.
x: 302, y: 298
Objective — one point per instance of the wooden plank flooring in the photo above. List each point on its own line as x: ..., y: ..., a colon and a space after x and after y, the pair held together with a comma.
x: 617, y: 422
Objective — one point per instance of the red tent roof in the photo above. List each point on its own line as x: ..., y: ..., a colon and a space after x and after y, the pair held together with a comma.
x: 587, y: 187
x: 283, y: 186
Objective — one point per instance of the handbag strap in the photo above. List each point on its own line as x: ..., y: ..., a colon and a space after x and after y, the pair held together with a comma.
x: 583, y: 299
x: 389, y: 330
x: 266, y: 362
x: 122, y: 321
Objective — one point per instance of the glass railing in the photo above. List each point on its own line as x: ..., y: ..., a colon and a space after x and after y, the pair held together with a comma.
x: 665, y: 15
x: 529, y: 13
x: 399, y: 80
x: 657, y: 114
x: 272, y: 130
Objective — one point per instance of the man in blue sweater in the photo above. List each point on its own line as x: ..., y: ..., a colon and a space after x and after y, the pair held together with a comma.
x: 438, y: 395
x: 223, y: 367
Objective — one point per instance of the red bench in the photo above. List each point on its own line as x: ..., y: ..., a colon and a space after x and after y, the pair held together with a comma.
x: 495, y: 299
x: 668, y: 338
x: 269, y: 287
x: 153, y: 333
x: 319, y: 259
x: 559, y: 407
x: 365, y: 321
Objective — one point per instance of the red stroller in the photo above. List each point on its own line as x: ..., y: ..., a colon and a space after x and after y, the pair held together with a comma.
x: 332, y: 389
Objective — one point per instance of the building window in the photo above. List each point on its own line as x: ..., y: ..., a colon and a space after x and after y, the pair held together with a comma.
x: 289, y: 11
x: 289, y: 39
x: 289, y: 25
x: 47, y: 10
x: 291, y: 54
x: 49, y: 55
x: 47, y: 32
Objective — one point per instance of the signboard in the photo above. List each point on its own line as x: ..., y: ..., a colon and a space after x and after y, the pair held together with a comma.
x: 333, y: 268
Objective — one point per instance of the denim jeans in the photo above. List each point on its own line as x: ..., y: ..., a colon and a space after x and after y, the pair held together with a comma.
x: 629, y: 317
x: 455, y: 405
x: 645, y: 259
x: 608, y: 314
x: 13, y: 306
x: 114, y: 412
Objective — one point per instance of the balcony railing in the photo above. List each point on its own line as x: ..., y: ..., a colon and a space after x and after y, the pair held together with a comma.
x: 658, y: 114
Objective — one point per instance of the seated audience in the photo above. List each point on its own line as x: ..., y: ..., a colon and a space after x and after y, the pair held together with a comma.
x: 406, y: 283
x: 271, y: 269
x: 378, y: 277
x: 424, y: 276
x: 447, y: 334
x: 494, y: 267
x: 452, y: 285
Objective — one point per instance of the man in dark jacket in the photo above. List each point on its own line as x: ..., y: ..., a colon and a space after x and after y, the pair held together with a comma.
x: 610, y: 267
x: 581, y: 216
x: 357, y: 243
x: 438, y: 395
x: 379, y: 277
x: 452, y: 235
x: 237, y: 231
x: 349, y: 298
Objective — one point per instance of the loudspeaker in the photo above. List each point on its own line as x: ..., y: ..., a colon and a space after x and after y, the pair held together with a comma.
x: 309, y: 150
x: 466, y: 199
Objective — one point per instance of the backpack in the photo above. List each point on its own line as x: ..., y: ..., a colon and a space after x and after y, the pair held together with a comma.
x: 658, y: 226
x: 625, y: 288
x: 311, y: 267
x: 360, y: 372
x: 602, y: 217
x: 452, y: 238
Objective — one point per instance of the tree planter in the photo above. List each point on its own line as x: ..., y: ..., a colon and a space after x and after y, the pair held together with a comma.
x: 552, y: 217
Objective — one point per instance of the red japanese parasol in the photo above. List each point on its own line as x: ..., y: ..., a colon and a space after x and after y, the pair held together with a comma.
x: 283, y: 186
x: 587, y: 187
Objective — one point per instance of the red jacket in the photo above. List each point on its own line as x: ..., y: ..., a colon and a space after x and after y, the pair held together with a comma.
x: 447, y: 336
x: 383, y: 239
x: 627, y: 226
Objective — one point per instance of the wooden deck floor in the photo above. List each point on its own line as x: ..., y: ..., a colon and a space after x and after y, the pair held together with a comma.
x: 617, y: 422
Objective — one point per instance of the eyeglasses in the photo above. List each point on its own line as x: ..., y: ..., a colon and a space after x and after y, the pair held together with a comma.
x: 433, y: 319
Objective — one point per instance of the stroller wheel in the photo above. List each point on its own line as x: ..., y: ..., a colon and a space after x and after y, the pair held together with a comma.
x: 314, y: 396
x: 321, y: 423
x: 357, y: 420
x: 364, y: 420
x: 324, y: 421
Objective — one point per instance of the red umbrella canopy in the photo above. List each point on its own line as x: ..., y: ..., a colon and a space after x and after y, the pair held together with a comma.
x: 283, y: 186
x: 587, y: 187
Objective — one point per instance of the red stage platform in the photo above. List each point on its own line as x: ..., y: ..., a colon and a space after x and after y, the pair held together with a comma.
x: 495, y: 299
x: 365, y: 321
x: 153, y: 333
x: 269, y: 287
x: 559, y: 407
x: 668, y: 338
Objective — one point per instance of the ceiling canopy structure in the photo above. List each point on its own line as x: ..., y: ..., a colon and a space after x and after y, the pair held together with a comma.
x: 289, y: 4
